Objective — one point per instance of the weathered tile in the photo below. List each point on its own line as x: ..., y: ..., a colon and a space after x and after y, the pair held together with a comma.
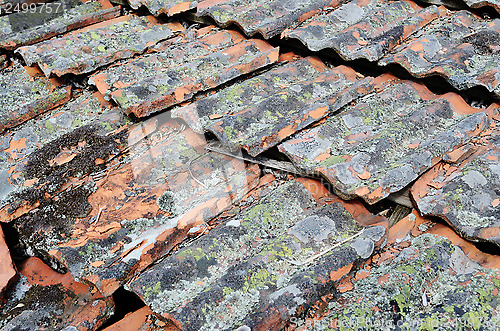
x: 26, y: 28
x: 43, y: 299
x: 363, y: 29
x: 266, y: 264
x: 8, y: 272
x: 26, y: 93
x: 461, y: 47
x: 465, y: 193
x: 83, y: 51
x: 108, y: 226
x: 169, y: 7
x: 420, y: 281
x: 258, y: 113
x: 384, y: 142
x: 268, y: 18
x: 178, y: 72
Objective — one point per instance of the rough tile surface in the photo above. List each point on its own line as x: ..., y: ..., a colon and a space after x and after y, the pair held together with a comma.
x: 168, y: 7
x: 25, y: 93
x: 420, y: 281
x: 358, y: 29
x: 384, y: 142
x: 190, y: 65
x: 83, y: 51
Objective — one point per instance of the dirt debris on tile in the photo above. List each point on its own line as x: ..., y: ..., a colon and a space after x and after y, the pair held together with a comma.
x: 358, y: 29
x: 26, y: 27
x: 385, y: 141
x: 193, y: 64
x: 43, y: 299
x: 266, y: 264
x: 84, y: 50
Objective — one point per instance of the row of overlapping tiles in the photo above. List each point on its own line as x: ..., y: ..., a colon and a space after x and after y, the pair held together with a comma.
x: 107, y: 198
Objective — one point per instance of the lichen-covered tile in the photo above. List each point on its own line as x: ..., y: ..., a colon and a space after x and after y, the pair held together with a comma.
x: 174, y: 75
x: 110, y: 225
x: 460, y: 47
x: 465, y: 193
x: 43, y: 299
x: 358, y: 29
x: 259, y: 113
x: 28, y: 27
x: 84, y: 50
x: 433, y: 280
x: 266, y: 264
x: 169, y: 7
x: 8, y: 271
x: 385, y: 141
x: 26, y: 93
x: 495, y: 4
x: 268, y: 18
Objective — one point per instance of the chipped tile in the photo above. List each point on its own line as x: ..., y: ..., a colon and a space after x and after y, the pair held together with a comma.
x: 465, y: 194
x: 251, y: 270
x: 117, y: 223
x: 168, y: 7
x: 384, y: 142
x: 43, y: 299
x: 362, y: 29
x: 461, y: 47
x: 258, y: 113
x: 268, y: 18
x: 25, y: 93
x: 83, y: 51
x: 432, y: 280
x: 178, y: 72
x: 26, y: 28
x: 8, y: 272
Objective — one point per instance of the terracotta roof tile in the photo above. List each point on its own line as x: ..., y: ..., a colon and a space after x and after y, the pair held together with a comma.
x: 461, y: 48
x: 43, y: 299
x: 260, y: 112
x: 174, y: 75
x: 358, y: 29
x: 269, y: 18
x: 384, y: 142
x: 83, y: 51
x: 249, y: 270
x: 465, y: 194
x: 48, y: 23
x: 26, y: 93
